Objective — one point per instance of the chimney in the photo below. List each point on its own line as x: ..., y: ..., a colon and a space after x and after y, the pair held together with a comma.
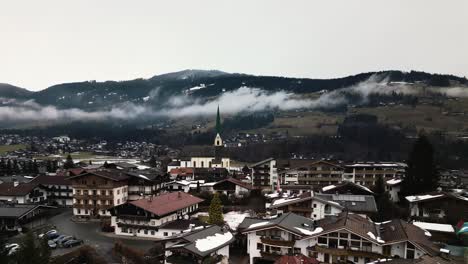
x: 179, y: 194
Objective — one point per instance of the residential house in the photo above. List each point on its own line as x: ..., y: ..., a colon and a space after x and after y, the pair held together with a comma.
x: 58, y: 189
x: 316, y: 174
x: 18, y: 217
x: 22, y: 193
x: 438, y: 206
x: 344, y: 238
x: 231, y: 186
x: 146, y: 217
x: 317, y: 206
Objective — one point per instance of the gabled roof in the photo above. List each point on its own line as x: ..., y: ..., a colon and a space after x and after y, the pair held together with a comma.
x: 306, y: 196
x: 389, y: 232
x: 344, y: 185
x: 299, y: 225
x: 51, y: 180
x: 354, y: 203
x: 167, y: 203
x: 434, y: 196
x: 18, y: 211
x: 114, y: 175
x: 236, y: 182
x: 203, y: 241
x: 22, y: 189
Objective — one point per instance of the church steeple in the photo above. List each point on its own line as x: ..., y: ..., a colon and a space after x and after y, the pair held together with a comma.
x: 218, y: 122
x: 218, y: 142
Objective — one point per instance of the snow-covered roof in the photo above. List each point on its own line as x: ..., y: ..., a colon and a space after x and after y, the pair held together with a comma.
x: 284, y: 200
x: 394, y: 181
x: 233, y: 219
x: 211, y: 242
x: 435, y: 227
x: 414, y: 198
x: 308, y: 232
x: 329, y: 187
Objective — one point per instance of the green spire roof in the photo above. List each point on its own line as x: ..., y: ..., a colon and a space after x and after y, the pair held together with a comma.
x: 218, y: 122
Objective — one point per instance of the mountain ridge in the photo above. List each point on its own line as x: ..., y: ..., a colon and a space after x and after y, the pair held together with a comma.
x: 201, y: 84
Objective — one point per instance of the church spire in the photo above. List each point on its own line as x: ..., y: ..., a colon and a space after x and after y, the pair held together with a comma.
x: 218, y: 142
x: 218, y: 122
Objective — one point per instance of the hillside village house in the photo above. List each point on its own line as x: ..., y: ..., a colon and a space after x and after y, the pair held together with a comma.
x: 146, y: 217
x: 234, y: 187
x: 16, y: 217
x: 347, y: 237
x: 317, y: 206
x: 22, y: 193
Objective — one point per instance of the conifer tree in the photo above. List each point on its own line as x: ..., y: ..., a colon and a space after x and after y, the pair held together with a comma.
x: 69, y: 164
x: 216, y: 211
x: 421, y: 174
x: 33, y: 251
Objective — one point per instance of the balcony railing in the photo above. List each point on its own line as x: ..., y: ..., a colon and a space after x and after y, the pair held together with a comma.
x: 277, y: 242
x: 362, y: 252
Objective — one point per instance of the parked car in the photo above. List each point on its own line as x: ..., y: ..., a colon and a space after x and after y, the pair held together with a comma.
x: 57, y: 239
x: 65, y: 239
x: 73, y: 243
x: 12, y: 248
x: 52, y: 244
x: 53, y: 231
x: 52, y: 236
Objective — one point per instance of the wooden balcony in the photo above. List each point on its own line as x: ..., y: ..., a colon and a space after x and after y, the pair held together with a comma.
x: 271, y: 256
x: 347, y: 252
x: 277, y: 242
x: 91, y: 206
x: 93, y: 197
x: 300, y: 209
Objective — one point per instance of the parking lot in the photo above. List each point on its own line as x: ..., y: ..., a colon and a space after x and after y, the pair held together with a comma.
x: 91, y: 234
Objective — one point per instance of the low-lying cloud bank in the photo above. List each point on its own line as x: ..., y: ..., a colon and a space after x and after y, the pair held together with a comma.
x: 244, y: 99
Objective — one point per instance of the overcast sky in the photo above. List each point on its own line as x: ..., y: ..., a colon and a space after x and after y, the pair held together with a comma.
x: 54, y: 41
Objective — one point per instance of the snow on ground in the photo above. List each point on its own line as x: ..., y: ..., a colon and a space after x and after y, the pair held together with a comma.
x: 308, y: 232
x: 233, y: 219
x: 435, y: 227
x: 211, y: 242
x: 258, y: 224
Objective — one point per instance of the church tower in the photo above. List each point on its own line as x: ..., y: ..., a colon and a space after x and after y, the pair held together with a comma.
x: 218, y: 142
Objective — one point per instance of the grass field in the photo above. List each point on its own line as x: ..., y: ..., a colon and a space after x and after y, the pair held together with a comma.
x: 5, y: 148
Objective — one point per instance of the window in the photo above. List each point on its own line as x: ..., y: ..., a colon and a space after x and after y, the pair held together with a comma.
x: 124, y: 230
x: 322, y: 240
x: 165, y: 234
x: 315, y: 205
x: 356, y: 259
x: 78, y: 211
x: 259, y: 246
x: 145, y: 231
x: 152, y: 232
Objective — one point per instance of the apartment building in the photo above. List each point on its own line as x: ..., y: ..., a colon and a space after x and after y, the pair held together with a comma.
x: 147, y: 217
x: 316, y: 174
x: 96, y: 191
x: 367, y: 173
x: 264, y: 174
x: 58, y: 189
